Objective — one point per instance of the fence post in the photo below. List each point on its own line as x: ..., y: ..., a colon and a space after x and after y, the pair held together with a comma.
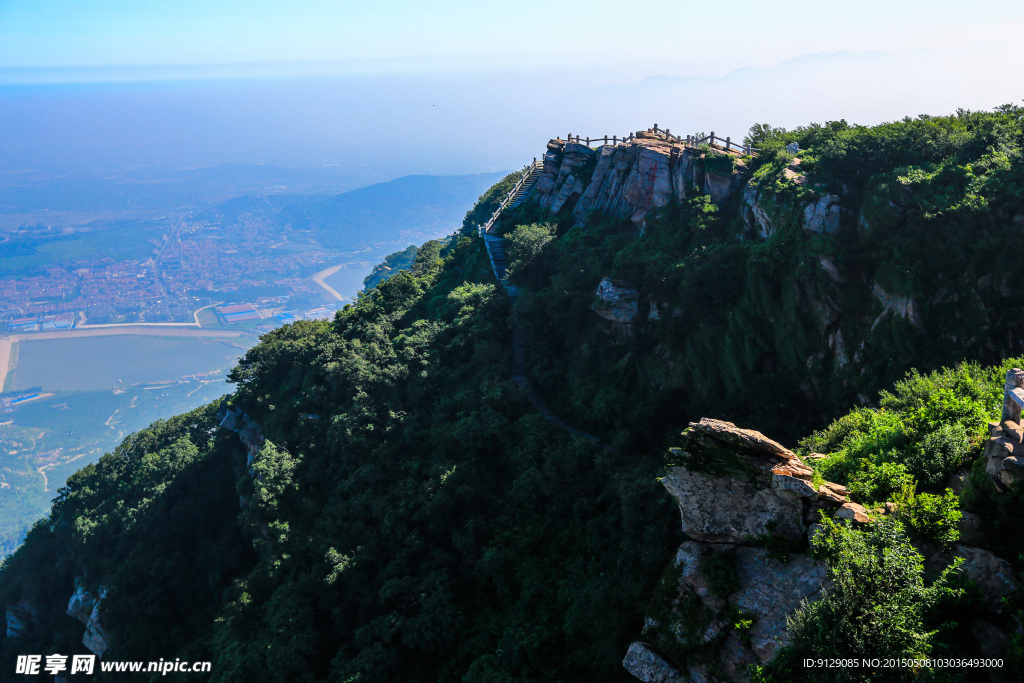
x: 588, y: 142
x: 728, y: 143
x: 606, y: 139
x: 711, y: 140
x: 655, y: 128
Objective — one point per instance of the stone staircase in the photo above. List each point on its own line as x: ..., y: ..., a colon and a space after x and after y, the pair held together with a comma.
x: 496, y: 253
x: 496, y: 245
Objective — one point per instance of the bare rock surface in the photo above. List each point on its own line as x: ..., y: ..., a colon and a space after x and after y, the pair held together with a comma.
x: 822, y: 215
x: 647, y: 665
x: 81, y: 603
x: 735, y: 484
x: 1004, y: 454
x: 905, y: 307
x: 628, y: 180
x: 96, y: 638
x: 854, y: 512
x: 617, y: 302
x: 735, y: 489
x: 993, y: 574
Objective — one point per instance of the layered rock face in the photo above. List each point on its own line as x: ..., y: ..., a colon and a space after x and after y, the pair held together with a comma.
x: 629, y: 180
x: 749, y: 508
x: 740, y: 494
x: 733, y: 485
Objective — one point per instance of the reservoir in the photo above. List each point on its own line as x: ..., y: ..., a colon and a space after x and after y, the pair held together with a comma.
x: 107, y: 362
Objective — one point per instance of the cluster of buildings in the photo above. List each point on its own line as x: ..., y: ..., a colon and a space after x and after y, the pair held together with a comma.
x: 198, y: 263
x: 96, y: 290
x: 237, y: 313
x: 240, y: 313
x: 34, y: 323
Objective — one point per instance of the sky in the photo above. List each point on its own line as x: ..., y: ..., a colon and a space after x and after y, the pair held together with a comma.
x: 632, y: 39
x: 120, y: 90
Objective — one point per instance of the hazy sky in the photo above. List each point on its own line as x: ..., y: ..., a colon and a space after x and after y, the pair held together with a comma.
x: 384, y: 88
x: 637, y: 38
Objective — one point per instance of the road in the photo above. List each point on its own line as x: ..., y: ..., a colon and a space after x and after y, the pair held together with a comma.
x: 319, y: 279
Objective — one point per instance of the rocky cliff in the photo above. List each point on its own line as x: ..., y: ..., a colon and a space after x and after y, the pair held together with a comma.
x: 630, y: 180
x: 750, y: 507
x: 823, y: 276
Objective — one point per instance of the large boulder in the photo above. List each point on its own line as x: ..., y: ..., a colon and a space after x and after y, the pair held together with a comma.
x: 993, y: 574
x: 647, y: 665
x: 732, y: 485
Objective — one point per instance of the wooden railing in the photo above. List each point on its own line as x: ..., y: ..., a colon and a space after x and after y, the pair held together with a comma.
x: 528, y: 175
x: 532, y: 170
x: 689, y: 140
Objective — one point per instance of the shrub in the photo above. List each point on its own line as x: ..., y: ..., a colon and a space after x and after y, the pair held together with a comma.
x: 877, y: 483
x: 928, y: 517
x: 940, y: 453
x: 876, y: 604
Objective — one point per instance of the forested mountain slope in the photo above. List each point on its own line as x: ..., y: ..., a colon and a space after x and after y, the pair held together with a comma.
x: 396, y: 509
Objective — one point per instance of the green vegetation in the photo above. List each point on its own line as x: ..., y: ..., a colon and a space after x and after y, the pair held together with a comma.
x: 921, y: 432
x: 875, y: 607
x: 410, y: 517
x: 427, y: 525
x: 392, y: 263
x: 36, y: 435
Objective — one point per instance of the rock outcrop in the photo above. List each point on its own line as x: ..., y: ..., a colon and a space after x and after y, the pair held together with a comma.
x: 991, y: 573
x: 628, y: 180
x: 739, y: 494
x: 822, y: 215
x: 735, y: 484
x: 82, y: 602
x: 1004, y: 454
x: 649, y: 666
x: 617, y: 302
x: 250, y: 433
x: 85, y: 607
x: 749, y: 507
x: 903, y: 306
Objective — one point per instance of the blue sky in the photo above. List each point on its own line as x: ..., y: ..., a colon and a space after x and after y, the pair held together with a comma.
x: 633, y: 38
